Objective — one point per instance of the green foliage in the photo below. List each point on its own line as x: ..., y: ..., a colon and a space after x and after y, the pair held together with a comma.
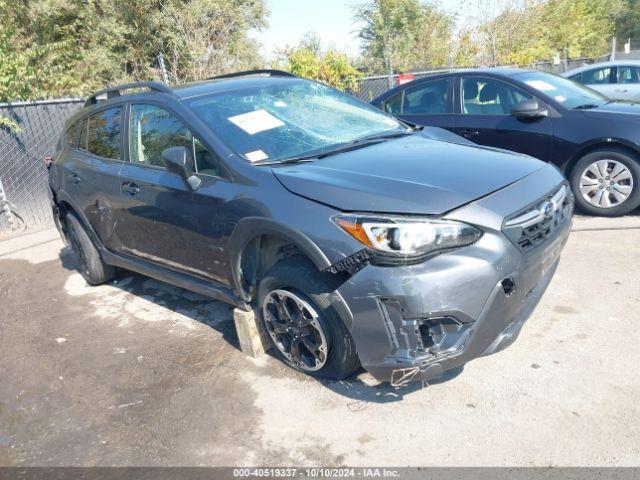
x: 73, y: 47
x: 628, y: 23
x: 402, y: 35
x: 9, y: 124
x: 331, y: 67
x: 532, y: 31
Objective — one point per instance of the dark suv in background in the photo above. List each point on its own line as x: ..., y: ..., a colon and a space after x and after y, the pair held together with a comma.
x: 593, y: 140
x: 359, y: 239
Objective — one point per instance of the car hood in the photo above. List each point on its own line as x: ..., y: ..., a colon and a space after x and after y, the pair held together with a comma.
x: 412, y: 175
x: 630, y: 110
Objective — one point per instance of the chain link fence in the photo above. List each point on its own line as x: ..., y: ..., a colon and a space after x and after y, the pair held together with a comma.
x: 370, y: 87
x: 28, y: 133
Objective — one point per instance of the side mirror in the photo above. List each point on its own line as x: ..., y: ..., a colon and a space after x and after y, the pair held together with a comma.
x: 178, y: 160
x: 528, y: 109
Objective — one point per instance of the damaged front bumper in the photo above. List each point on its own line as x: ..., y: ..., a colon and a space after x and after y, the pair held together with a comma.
x: 415, y: 322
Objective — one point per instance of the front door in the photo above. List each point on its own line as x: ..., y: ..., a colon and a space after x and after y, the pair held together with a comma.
x: 165, y: 222
x: 485, y: 118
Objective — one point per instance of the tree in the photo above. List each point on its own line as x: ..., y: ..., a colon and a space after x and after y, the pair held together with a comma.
x: 528, y: 31
x: 331, y: 67
x: 72, y: 47
x: 404, y: 35
x: 211, y: 37
x: 628, y: 22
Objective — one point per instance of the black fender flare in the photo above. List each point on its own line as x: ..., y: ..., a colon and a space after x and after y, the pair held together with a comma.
x: 249, y: 228
x: 62, y: 196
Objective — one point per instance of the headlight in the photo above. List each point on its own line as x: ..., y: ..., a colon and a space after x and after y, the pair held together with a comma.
x: 407, y: 238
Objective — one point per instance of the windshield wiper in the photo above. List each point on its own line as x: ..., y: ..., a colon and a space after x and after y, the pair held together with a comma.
x: 586, y: 106
x: 345, y: 147
x: 389, y: 135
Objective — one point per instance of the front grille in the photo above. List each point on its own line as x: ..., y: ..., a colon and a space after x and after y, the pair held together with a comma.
x: 531, y: 227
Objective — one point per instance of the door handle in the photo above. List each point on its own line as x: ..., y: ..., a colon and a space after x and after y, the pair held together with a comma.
x: 466, y: 132
x: 75, y: 177
x: 130, y: 188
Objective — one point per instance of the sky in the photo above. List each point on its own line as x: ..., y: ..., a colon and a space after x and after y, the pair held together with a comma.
x: 331, y: 20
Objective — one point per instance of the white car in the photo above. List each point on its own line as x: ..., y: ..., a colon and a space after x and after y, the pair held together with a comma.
x: 619, y: 80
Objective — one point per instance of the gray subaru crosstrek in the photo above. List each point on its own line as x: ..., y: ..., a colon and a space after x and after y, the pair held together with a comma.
x: 359, y: 239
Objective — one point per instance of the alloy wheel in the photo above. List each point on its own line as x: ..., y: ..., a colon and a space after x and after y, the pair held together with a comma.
x: 606, y: 183
x: 295, y: 329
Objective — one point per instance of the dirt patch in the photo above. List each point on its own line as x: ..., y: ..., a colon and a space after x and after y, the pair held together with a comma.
x: 90, y: 372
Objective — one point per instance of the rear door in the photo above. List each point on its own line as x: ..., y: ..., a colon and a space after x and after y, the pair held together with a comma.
x: 164, y: 221
x: 428, y: 103
x: 484, y: 117
x: 92, y: 176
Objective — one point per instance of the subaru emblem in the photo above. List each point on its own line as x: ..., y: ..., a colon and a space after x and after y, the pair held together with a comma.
x: 547, y: 209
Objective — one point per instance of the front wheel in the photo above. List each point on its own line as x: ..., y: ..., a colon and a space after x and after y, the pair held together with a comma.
x: 306, y: 332
x: 606, y: 183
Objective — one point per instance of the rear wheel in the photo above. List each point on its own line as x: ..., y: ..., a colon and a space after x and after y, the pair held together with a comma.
x: 606, y: 183
x: 91, y: 266
x: 306, y: 332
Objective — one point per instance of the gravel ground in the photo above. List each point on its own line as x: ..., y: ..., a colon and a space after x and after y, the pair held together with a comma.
x: 139, y: 372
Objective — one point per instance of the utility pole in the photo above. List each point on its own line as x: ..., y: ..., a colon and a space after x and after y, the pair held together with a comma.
x: 386, y: 54
x: 613, y: 48
x: 163, y: 69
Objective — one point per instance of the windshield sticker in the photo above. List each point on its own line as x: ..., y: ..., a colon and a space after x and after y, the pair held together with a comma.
x: 540, y: 85
x: 256, y: 121
x: 256, y: 156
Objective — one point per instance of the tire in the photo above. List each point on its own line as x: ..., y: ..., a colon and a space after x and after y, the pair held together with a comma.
x: 589, y: 183
x: 91, y: 266
x: 297, y: 283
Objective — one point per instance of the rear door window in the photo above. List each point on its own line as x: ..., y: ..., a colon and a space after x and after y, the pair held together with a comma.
x: 104, y: 133
x: 427, y: 98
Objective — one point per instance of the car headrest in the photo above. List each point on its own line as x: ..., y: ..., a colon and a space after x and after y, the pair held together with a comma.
x: 470, y: 90
x: 428, y: 99
x: 489, y: 93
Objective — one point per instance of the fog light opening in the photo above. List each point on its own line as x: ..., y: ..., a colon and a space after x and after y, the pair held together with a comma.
x: 508, y: 286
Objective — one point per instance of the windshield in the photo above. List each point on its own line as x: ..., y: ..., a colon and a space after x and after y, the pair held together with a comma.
x: 564, y: 91
x: 290, y: 119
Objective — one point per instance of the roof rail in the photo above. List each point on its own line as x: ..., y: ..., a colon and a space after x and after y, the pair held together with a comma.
x: 112, y: 92
x: 270, y: 72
